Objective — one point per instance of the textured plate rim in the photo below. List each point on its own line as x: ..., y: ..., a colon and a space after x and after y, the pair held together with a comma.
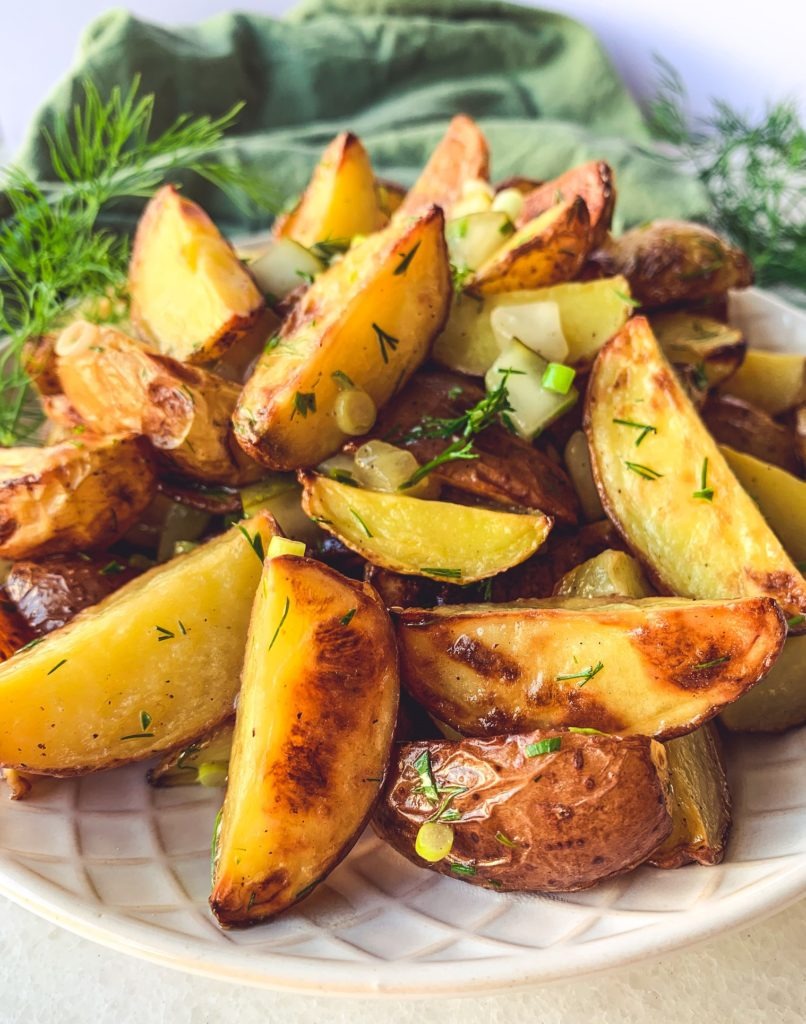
x: 311, y: 975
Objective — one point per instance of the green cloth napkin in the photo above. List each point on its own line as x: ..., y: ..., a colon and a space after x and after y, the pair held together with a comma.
x: 393, y: 71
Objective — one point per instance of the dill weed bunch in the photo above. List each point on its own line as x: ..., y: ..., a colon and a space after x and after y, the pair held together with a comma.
x: 754, y: 172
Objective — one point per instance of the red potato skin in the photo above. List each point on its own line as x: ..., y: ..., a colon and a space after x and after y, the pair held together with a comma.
x: 594, y: 808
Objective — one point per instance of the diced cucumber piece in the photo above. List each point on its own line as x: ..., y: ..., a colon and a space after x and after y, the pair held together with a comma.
x: 533, y: 406
x: 474, y: 238
x: 283, y: 266
x: 537, y: 325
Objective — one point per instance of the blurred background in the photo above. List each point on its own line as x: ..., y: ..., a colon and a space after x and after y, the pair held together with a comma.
x: 736, y: 50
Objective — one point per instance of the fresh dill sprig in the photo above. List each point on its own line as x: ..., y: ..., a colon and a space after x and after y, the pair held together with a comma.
x: 54, y: 254
x: 754, y: 171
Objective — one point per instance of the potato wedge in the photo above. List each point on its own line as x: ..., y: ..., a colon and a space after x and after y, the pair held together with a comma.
x: 370, y: 318
x: 204, y: 763
x: 117, y: 384
x: 746, y: 428
x: 668, y: 261
x: 772, y: 381
x: 150, y: 668
x: 714, y: 348
x: 591, y: 312
x: 541, y: 812
x: 461, y: 156
x: 609, y: 574
x: 700, y: 801
x: 507, y: 470
x: 190, y: 295
x: 437, y: 539
x: 654, y: 666
x: 549, y: 249
x: 313, y: 733
x: 341, y: 199
x: 779, y: 700
x: 390, y: 195
x: 79, y: 494
x: 592, y: 182
x: 656, y: 466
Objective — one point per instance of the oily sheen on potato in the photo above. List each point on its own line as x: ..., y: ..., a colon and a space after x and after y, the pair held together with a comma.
x: 148, y: 669
x: 654, y: 666
x: 668, y: 488
x: 544, y: 811
x: 314, y: 726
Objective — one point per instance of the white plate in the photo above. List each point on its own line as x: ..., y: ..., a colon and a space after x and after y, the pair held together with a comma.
x: 128, y: 866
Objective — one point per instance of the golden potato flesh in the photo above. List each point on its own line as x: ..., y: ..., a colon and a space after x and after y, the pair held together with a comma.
x: 461, y: 156
x: 547, y: 250
x: 190, y: 295
x: 700, y: 801
x: 713, y: 348
x: 592, y: 182
x: 546, y: 811
x: 369, y: 319
x: 669, y: 261
x: 148, y: 669
x: 117, y: 384
x: 667, y: 487
x: 341, y: 200
x: 83, y: 493
x: 654, y: 666
x: 437, y: 539
x: 773, y: 381
x: 314, y: 727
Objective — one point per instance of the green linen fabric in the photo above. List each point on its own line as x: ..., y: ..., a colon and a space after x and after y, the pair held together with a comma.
x: 394, y: 72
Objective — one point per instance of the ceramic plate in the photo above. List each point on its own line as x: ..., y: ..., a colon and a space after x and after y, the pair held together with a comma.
x: 128, y: 866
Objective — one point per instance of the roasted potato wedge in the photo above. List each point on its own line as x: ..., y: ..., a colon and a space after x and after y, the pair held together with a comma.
x: 591, y: 312
x: 204, y: 763
x: 772, y: 381
x: 700, y: 801
x: 657, y: 467
x: 713, y: 348
x: 746, y: 428
x: 390, y: 195
x: 149, y: 669
x: 591, y: 182
x: 47, y: 594
x: 461, y: 156
x: 78, y: 494
x: 779, y: 700
x: 437, y: 539
x: 190, y: 295
x: 539, y: 812
x: 117, y: 384
x: 369, y: 318
x: 670, y: 261
x: 549, y: 249
x: 609, y: 574
x: 341, y: 200
x: 507, y: 471
x: 655, y: 666
x: 313, y: 732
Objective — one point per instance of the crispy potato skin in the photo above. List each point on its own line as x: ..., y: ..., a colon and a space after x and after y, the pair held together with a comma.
x: 462, y: 155
x: 117, y: 384
x: 671, y: 261
x: 437, y: 539
x: 700, y: 804
x: 47, y: 594
x: 487, y: 669
x: 190, y: 295
x: 72, y: 496
x: 727, y: 549
x: 341, y: 200
x: 748, y: 429
x: 285, y: 417
x: 508, y: 471
x: 539, y: 254
x: 592, y: 809
x: 592, y: 182
x: 314, y: 727
x: 149, y: 669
